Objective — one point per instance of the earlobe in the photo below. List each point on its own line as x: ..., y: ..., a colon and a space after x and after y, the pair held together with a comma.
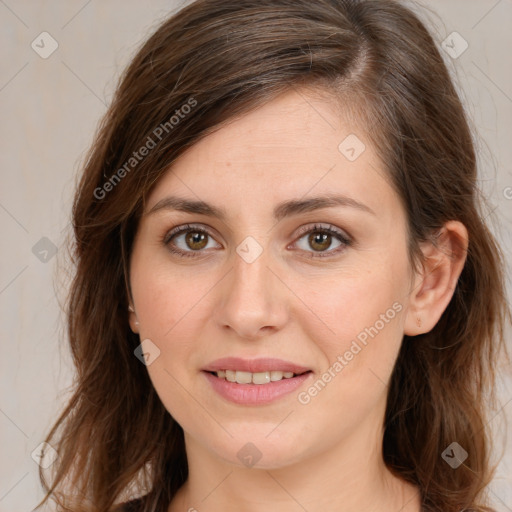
x: 134, y: 323
x: 443, y: 260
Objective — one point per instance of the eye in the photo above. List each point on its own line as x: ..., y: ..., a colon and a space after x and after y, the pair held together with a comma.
x: 320, y: 239
x: 189, y: 240
x: 193, y: 240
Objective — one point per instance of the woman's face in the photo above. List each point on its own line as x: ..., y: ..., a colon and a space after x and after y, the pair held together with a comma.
x: 267, y: 281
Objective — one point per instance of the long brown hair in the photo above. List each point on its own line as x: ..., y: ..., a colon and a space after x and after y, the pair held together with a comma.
x: 212, y: 61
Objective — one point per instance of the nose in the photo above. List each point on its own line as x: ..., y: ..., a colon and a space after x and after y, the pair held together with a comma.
x: 253, y: 300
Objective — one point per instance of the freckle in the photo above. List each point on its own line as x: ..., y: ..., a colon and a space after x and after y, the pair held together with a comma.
x: 228, y: 164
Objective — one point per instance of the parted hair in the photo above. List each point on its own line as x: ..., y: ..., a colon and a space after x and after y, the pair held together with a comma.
x: 223, y: 58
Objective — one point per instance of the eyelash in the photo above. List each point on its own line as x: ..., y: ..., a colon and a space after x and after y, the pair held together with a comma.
x: 330, y: 230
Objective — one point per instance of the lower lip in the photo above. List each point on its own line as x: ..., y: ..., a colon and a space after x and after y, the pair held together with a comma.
x: 255, y: 394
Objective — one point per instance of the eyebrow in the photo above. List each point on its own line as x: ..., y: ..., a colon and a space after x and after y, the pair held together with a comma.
x: 282, y: 210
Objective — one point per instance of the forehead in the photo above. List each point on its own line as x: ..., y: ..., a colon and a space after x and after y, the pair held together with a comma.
x: 304, y: 121
x: 296, y: 145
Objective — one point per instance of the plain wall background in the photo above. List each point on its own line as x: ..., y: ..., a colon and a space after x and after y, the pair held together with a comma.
x: 49, y: 111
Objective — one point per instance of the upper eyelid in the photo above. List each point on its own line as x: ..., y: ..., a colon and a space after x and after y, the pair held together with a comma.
x: 302, y: 231
x: 183, y: 228
x: 316, y: 226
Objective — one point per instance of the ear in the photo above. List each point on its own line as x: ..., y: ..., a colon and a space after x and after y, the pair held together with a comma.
x: 433, y: 287
x: 132, y: 319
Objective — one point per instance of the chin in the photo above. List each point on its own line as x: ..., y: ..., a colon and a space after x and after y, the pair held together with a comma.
x: 259, y: 452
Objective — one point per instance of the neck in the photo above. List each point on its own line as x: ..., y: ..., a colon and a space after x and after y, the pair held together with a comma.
x: 348, y: 477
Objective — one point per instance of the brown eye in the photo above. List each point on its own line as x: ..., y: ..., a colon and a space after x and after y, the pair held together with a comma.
x: 196, y: 240
x: 187, y: 240
x: 320, y: 239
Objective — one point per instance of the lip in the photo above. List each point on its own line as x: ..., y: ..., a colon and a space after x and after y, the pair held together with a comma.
x: 255, y: 394
x: 266, y: 364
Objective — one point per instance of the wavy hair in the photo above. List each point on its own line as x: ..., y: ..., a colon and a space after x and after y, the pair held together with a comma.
x: 205, y: 65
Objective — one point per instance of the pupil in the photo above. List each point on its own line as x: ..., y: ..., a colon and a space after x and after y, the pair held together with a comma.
x: 196, y: 238
x: 319, y: 240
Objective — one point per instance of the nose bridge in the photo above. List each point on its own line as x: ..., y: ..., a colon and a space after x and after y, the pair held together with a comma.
x: 252, y: 301
x: 251, y: 281
x: 251, y: 270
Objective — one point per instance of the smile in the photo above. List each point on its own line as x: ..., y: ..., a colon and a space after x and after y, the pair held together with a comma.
x: 248, y: 392
x: 241, y: 377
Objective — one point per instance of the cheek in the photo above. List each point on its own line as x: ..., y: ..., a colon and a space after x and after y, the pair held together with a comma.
x: 172, y: 309
x: 168, y: 312
x: 166, y: 298
x: 338, y: 308
x: 362, y: 330
x: 349, y: 303
x: 366, y: 315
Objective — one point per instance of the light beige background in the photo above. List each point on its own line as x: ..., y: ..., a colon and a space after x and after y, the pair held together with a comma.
x: 49, y: 111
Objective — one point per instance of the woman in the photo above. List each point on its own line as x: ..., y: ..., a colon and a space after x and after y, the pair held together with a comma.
x: 285, y: 295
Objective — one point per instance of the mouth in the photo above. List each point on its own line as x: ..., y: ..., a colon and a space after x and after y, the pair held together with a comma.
x: 260, y: 367
x: 258, y: 378
x: 255, y: 381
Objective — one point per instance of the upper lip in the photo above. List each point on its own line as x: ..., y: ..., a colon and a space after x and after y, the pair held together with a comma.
x: 254, y: 365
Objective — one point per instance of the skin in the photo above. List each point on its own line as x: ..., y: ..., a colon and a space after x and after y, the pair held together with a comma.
x: 326, y: 454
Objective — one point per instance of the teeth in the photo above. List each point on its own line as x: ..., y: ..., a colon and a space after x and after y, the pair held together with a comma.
x: 261, y: 378
x: 253, y: 378
x: 276, y: 375
x: 243, y: 377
